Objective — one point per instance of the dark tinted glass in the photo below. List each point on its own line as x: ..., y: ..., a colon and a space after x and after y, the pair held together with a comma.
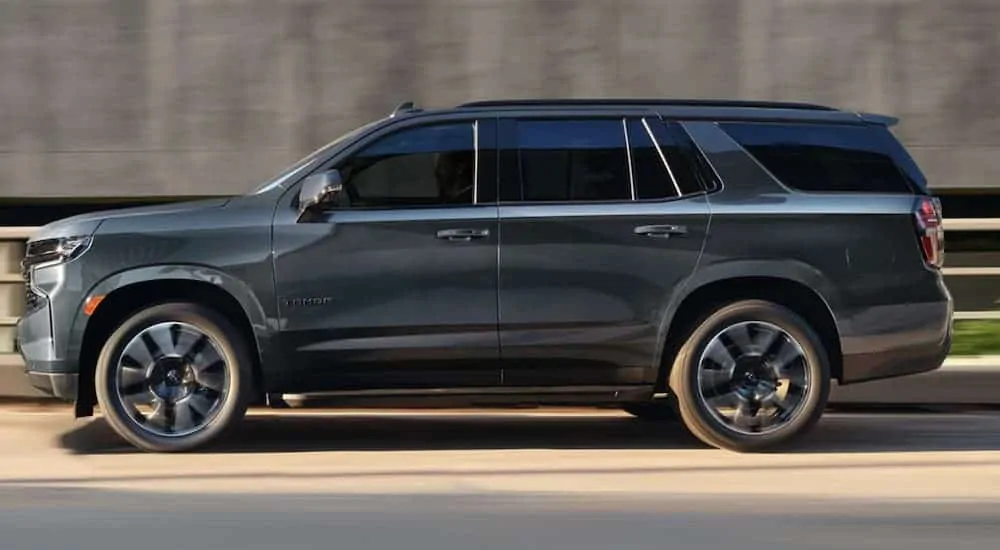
x: 678, y: 150
x: 488, y: 163
x: 424, y: 166
x: 693, y: 172
x: 572, y: 160
x: 903, y: 160
x: 814, y: 157
x: 652, y: 179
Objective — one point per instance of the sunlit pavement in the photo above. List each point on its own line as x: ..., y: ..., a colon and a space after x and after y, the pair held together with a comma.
x: 465, y: 479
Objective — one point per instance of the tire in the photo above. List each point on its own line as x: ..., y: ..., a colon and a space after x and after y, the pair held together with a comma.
x: 652, y: 411
x: 217, y: 372
x: 700, y: 398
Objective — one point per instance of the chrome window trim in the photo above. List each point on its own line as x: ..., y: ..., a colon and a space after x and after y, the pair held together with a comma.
x: 628, y: 155
x: 663, y: 158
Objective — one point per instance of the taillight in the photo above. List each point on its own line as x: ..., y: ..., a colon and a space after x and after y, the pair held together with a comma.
x: 930, y: 231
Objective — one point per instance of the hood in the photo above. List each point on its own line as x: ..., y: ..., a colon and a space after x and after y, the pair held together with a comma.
x: 86, y: 224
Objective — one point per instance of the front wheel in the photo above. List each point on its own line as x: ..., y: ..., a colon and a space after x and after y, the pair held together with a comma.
x: 753, y: 375
x: 173, y: 377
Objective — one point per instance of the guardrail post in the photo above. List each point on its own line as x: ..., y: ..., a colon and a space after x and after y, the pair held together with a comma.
x: 12, y: 380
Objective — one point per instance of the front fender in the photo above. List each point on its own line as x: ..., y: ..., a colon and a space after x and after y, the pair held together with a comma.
x: 233, y: 286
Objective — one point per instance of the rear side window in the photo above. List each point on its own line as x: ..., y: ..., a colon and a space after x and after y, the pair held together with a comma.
x: 572, y: 160
x: 823, y: 157
x: 653, y: 180
x: 594, y: 159
x: 683, y: 175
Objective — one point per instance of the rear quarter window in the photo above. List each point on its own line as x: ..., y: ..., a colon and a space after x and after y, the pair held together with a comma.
x: 827, y: 157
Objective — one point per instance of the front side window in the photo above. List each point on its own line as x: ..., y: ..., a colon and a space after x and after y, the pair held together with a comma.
x: 430, y: 165
x: 572, y: 160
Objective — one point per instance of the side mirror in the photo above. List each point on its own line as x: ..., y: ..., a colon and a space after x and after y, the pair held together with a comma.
x: 321, y: 188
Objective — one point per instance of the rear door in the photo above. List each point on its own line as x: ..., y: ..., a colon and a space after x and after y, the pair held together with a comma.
x: 601, y: 219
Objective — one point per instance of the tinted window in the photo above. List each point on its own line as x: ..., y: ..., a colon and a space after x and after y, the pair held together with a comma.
x: 903, y: 159
x: 813, y: 157
x: 652, y: 179
x: 424, y: 166
x: 572, y: 160
x: 692, y: 171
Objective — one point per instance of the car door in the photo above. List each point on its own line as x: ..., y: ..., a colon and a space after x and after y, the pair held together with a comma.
x: 601, y: 220
x: 395, y: 286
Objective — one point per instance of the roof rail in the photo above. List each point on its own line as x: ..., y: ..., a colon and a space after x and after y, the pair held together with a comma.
x: 635, y: 101
x: 404, y: 107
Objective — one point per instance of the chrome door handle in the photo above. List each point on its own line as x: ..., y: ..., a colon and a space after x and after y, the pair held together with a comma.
x: 660, y: 231
x: 463, y: 234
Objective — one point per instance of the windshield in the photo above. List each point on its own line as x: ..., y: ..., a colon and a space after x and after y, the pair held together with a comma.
x: 291, y: 171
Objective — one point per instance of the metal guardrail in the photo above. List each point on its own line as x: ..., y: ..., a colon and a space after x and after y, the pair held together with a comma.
x: 972, y: 224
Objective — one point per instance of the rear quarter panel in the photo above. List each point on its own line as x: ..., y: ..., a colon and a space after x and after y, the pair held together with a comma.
x: 859, y: 252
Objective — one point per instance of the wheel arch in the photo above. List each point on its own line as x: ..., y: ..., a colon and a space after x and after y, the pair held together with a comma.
x: 795, y: 286
x: 125, y: 293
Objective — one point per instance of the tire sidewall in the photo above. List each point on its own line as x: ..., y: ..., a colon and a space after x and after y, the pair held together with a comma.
x: 684, y: 376
x: 230, y: 346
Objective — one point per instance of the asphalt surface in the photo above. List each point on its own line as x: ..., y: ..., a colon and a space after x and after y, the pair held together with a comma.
x: 442, y: 481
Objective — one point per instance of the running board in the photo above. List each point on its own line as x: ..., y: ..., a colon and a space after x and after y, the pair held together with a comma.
x: 473, y: 397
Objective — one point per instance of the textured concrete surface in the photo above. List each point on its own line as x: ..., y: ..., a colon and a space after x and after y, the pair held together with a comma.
x: 515, y: 480
x: 177, y: 97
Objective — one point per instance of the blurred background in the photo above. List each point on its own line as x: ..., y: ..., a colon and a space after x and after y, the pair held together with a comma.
x: 105, y: 103
x: 146, y: 98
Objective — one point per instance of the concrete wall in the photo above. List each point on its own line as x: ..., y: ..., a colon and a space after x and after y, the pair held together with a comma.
x: 165, y: 97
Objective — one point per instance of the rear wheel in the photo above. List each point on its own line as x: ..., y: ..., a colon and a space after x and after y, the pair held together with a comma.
x: 753, y: 375
x: 173, y: 377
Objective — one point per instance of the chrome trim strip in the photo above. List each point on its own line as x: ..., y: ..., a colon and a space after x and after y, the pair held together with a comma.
x: 473, y: 391
x: 475, y: 162
x: 628, y: 155
x: 663, y: 158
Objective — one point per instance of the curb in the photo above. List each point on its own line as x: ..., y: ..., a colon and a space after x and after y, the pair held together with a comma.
x: 972, y: 361
x: 961, y: 380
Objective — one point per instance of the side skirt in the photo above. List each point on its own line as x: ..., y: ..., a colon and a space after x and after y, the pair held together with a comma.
x: 471, y: 397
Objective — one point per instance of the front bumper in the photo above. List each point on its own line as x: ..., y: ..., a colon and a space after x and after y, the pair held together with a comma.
x: 46, y: 369
x: 60, y: 385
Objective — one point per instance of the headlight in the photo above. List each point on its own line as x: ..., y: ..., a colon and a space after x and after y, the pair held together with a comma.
x: 54, y: 251
x: 71, y: 247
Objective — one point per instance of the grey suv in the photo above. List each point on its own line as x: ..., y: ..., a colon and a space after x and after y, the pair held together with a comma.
x: 724, y: 261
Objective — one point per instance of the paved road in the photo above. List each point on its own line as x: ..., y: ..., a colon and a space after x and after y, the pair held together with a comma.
x: 513, y: 480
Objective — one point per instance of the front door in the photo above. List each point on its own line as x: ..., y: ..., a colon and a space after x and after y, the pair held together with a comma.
x: 395, y: 287
x: 599, y: 225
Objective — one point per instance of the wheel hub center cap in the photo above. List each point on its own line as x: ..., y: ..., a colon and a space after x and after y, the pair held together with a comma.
x: 169, y: 378
x: 751, y: 369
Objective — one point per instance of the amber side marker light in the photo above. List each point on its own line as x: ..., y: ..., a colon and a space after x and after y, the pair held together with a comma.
x: 90, y: 306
